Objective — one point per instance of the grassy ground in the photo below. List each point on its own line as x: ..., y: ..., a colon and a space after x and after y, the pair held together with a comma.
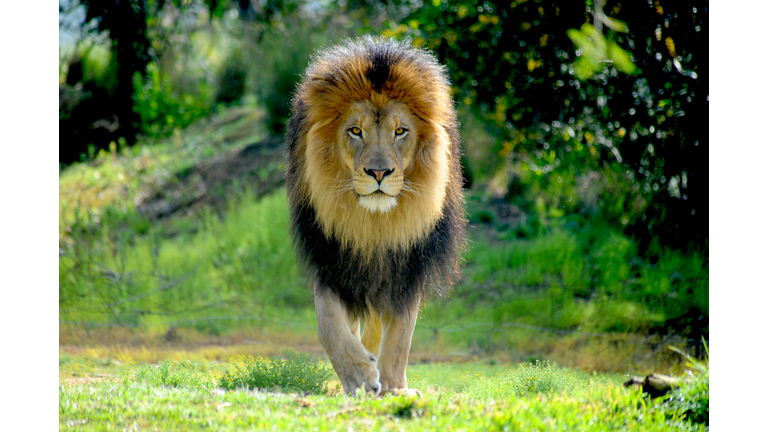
x: 187, y: 395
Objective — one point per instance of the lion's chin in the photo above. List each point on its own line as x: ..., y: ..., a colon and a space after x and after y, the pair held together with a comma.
x: 378, y: 202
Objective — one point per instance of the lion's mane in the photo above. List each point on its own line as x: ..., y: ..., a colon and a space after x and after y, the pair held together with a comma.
x: 372, y: 260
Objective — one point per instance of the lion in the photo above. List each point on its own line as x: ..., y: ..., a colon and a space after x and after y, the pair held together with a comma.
x: 376, y: 201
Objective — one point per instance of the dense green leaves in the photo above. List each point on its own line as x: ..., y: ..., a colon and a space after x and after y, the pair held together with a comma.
x: 637, y: 115
x: 595, y: 50
x: 160, y: 109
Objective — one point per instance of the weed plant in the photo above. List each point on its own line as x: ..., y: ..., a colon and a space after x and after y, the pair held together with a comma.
x: 299, y: 372
x: 185, y: 374
x: 692, y: 397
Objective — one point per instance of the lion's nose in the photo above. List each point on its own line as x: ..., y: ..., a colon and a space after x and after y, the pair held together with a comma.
x: 378, y: 173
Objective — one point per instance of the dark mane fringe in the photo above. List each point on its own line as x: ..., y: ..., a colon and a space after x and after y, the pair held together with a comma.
x: 393, y: 280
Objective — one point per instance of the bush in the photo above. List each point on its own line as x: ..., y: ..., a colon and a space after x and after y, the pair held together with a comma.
x: 298, y: 373
x: 160, y: 109
x: 517, y: 65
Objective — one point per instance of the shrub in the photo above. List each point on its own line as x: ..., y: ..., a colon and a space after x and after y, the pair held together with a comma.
x: 160, y: 109
x: 298, y: 373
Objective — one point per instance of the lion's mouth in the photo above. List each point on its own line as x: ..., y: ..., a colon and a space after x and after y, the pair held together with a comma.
x: 378, y: 201
x: 378, y: 193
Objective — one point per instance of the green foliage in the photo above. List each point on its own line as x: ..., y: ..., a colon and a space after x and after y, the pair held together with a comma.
x: 233, y: 267
x: 299, y: 372
x: 565, y: 277
x: 93, y: 62
x: 140, y: 30
x: 527, y: 380
x: 185, y: 374
x: 283, y: 54
x: 692, y: 397
x: 232, y: 80
x: 285, y: 60
x: 515, y: 65
x: 574, y: 275
x: 479, y: 158
x: 594, y: 50
x: 568, y: 274
x: 409, y: 407
x: 161, y: 110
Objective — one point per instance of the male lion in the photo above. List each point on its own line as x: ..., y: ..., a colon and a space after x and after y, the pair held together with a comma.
x: 377, y: 207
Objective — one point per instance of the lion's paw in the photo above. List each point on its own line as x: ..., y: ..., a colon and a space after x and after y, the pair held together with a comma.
x: 358, y: 370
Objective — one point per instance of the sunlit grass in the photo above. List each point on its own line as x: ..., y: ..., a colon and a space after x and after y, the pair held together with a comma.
x: 239, y: 271
x: 239, y: 267
x: 115, y: 179
x: 298, y: 372
x: 182, y: 395
x: 452, y: 376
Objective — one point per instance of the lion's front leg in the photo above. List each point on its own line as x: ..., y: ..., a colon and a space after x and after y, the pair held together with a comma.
x: 355, y: 366
x: 396, y: 335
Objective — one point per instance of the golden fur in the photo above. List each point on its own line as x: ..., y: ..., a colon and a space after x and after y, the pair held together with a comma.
x: 323, y: 160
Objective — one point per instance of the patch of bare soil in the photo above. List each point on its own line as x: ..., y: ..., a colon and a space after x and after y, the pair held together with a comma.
x: 258, y: 167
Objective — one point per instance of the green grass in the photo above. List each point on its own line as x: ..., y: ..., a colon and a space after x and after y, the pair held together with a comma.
x: 112, y: 182
x: 295, y: 372
x: 542, y: 377
x: 238, y: 269
x: 452, y: 375
x: 185, y: 374
x: 181, y: 396
x: 563, y: 278
x: 240, y: 266
x: 299, y: 372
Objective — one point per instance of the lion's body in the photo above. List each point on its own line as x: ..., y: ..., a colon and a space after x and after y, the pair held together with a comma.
x: 374, y: 180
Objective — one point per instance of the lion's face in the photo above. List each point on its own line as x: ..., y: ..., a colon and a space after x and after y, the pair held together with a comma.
x: 377, y: 147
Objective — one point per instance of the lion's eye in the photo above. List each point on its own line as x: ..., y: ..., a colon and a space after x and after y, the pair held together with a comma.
x: 400, y: 131
x: 355, y: 132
